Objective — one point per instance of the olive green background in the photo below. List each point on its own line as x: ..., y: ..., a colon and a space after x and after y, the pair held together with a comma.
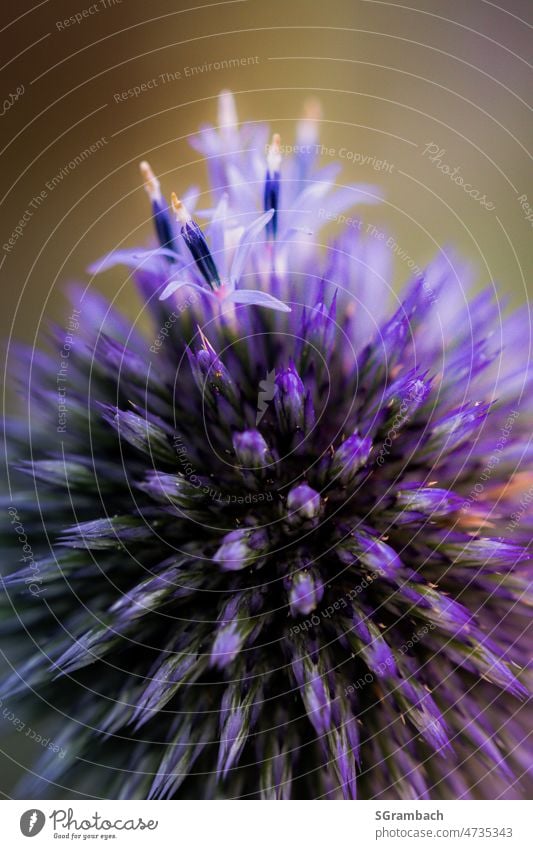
x: 391, y: 78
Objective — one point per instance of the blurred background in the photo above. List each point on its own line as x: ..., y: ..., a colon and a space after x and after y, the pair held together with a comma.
x: 412, y: 98
x: 392, y: 79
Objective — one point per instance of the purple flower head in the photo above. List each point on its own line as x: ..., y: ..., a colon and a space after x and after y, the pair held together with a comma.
x: 350, y: 457
x: 304, y: 506
x: 226, y: 645
x: 279, y: 543
x: 305, y: 591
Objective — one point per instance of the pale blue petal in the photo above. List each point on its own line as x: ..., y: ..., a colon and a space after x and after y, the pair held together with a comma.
x: 242, y: 188
x: 216, y: 235
x: 243, y: 248
x: 257, y: 298
x: 174, y: 285
x: 132, y: 259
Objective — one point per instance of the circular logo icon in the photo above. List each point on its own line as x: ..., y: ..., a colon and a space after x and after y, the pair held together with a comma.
x: 32, y: 822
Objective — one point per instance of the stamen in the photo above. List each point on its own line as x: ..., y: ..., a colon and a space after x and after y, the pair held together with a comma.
x: 206, y: 344
x: 274, y: 154
x: 183, y: 216
x: 272, y: 182
x: 162, y: 223
x: 312, y: 109
x: 151, y: 183
x: 227, y: 111
x: 307, y: 132
x: 195, y: 241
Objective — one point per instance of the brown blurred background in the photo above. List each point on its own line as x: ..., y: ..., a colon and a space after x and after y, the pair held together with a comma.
x: 391, y: 79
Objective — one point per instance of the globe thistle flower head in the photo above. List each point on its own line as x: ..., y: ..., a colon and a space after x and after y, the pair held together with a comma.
x: 276, y: 545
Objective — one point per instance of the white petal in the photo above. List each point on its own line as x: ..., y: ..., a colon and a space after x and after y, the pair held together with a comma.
x: 174, y: 285
x: 243, y: 248
x: 257, y: 298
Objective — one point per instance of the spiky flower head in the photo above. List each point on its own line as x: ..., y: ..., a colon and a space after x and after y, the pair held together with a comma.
x: 274, y: 546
